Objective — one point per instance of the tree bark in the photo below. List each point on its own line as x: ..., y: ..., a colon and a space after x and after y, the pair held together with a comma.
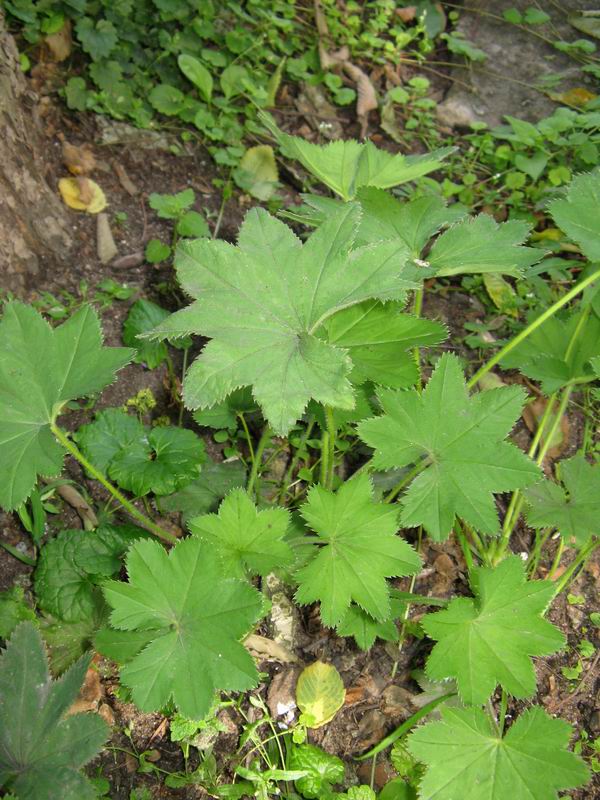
x: 33, y: 223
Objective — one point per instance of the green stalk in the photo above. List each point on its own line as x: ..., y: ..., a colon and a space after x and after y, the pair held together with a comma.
x: 464, y: 545
x: 183, y: 371
x: 406, y: 726
x: 533, y: 326
x: 145, y: 521
x: 557, y: 556
x: 25, y: 559
x: 289, y: 473
x: 580, y: 561
x: 417, y: 309
x: 331, y: 433
x: 265, y: 437
x: 393, y: 493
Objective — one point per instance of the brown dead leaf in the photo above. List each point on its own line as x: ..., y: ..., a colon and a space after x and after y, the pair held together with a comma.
x: 577, y: 97
x: 78, y: 159
x: 89, y: 695
x: 407, y: 13
x: 367, y: 97
x: 263, y: 648
x: 124, y: 178
x: 60, y: 43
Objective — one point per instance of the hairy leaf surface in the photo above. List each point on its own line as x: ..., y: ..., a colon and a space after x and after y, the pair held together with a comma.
x: 490, y: 639
x: 41, y: 369
x: 262, y: 302
x: 41, y: 750
x: 465, y: 757
x: 357, y: 550
x: 194, y: 618
x: 573, y: 510
x: 249, y: 542
x: 459, y: 439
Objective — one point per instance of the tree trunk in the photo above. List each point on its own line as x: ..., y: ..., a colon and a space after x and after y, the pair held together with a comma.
x: 33, y: 224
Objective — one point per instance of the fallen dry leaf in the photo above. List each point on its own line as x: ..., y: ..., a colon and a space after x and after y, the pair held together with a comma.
x: 407, y: 13
x: 264, y: 648
x: 78, y: 159
x: 89, y: 695
x: 60, y: 43
x: 70, y: 190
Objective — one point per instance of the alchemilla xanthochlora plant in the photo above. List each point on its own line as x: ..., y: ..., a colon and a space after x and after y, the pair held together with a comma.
x: 312, y: 329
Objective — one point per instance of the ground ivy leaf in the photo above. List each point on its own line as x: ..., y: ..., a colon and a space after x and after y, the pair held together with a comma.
x: 573, y: 510
x: 461, y: 438
x: 357, y: 550
x: 164, y: 461
x: 480, y: 244
x: 465, y: 757
x: 577, y: 214
x: 378, y: 337
x: 278, y: 293
x: 204, y: 493
x: 198, y: 618
x: 249, y: 542
x: 41, y: 369
x: 41, y: 750
x: 143, y: 316
x: 548, y: 356
x: 489, y: 640
x: 69, y: 567
x: 110, y: 431
x: 366, y: 630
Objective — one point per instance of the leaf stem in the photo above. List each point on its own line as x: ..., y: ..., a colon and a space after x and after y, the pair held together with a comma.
x: 393, y: 493
x: 331, y: 433
x: 406, y: 726
x: 183, y: 371
x: 145, y: 521
x: 264, y: 440
x: 533, y: 326
x: 289, y: 473
x: 580, y: 561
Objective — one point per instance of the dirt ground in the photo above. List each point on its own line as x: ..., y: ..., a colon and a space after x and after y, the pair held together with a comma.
x: 376, y: 703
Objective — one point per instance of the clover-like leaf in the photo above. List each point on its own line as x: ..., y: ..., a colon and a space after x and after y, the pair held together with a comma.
x: 70, y: 566
x: 459, y: 441
x: 573, y: 510
x: 577, y: 213
x: 249, y: 542
x: 555, y: 355
x: 278, y: 293
x: 466, y: 757
x: 357, y: 550
x: 490, y: 639
x: 41, y: 369
x: 162, y: 462
x: 41, y: 749
x: 193, y: 618
x: 379, y: 337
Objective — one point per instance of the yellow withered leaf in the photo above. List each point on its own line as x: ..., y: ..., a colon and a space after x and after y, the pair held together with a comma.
x: 82, y: 194
x: 320, y: 694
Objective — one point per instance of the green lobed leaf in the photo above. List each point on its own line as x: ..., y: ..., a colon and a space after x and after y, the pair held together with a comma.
x: 41, y: 750
x: 577, y: 214
x: 491, y: 639
x: 357, y: 550
x: 459, y: 439
x: 479, y: 245
x: 171, y: 206
x: 548, y: 355
x: 323, y: 769
x: 225, y: 414
x: 205, y: 492
x: 249, y: 542
x: 366, y: 630
x: 98, y: 38
x: 573, y: 510
x: 143, y: 316
x: 378, y: 338
x: 13, y: 610
x: 197, y: 618
x: 41, y: 369
x: 162, y: 462
x: 278, y: 292
x: 465, y: 757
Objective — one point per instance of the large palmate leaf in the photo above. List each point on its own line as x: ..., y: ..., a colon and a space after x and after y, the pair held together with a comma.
x: 480, y: 245
x: 345, y: 166
x: 378, y: 337
x: 466, y: 758
x: 555, y: 353
x: 249, y: 542
x: 192, y: 618
x: 263, y: 302
x: 577, y: 214
x: 489, y: 640
x: 459, y: 440
x: 573, y: 510
x: 357, y: 550
x: 70, y: 566
x: 41, y: 750
x: 41, y: 369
